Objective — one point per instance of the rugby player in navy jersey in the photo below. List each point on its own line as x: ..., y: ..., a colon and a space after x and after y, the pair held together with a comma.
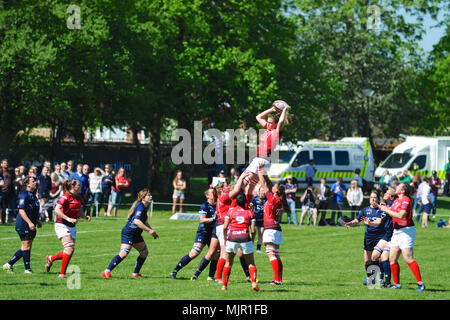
x: 132, y: 235
x: 373, y: 233
x: 388, y: 199
x: 26, y: 222
x: 205, y: 231
x: 258, y: 209
x: 383, y: 244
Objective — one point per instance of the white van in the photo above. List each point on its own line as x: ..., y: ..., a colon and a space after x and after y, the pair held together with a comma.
x: 417, y: 155
x: 332, y: 159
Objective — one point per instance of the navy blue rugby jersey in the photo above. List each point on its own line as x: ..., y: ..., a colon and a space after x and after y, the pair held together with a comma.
x: 30, y: 204
x: 373, y: 214
x: 139, y: 212
x: 208, y: 210
x: 258, y: 207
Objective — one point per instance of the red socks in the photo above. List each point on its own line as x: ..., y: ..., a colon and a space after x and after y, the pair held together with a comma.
x: 226, y: 275
x: 280, y: 270
x: 395, y: 271
x: 276, y: 269
x: 57, y: 256
x: 220, y: 265
x: 415, y: 270
x: 252, y: 271
x: 65, y: 262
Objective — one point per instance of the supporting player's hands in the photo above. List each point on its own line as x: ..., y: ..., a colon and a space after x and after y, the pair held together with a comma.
x: 71, y: 220
x: 153, y: 234
x: 88, y: 218
x: 31, y: 226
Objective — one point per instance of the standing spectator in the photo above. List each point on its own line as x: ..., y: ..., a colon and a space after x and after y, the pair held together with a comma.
x: 385, y: 179
x: 32, y: 172
x: 447, y: 178
x: 70, y: 169
x: 235, y: 176
x: 121, y: 183
x: 65, y: 175
x: 45, y: 185
x: 55, y: 192
x: 310, y: 172
x: 358, y: 179
x: 290, y: 189
x: 323, y: 196
x: 82, y: 176
x: 354, y: 198
x: 426, y: 202
x: 417, y: 180
x: 22, y: 170
x: 338, y: 189
x: 179, y: 187
x: 58, y: 172
x: 107, y: 185
x: 435, y: 184
x: 7, y: 189
x: 95, y: 186
x: 419, y: 198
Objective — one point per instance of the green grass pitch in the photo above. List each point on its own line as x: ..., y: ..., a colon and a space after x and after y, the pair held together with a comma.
x: 319, y: 263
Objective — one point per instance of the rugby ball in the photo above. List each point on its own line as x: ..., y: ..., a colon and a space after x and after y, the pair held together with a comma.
x: 279, y: 105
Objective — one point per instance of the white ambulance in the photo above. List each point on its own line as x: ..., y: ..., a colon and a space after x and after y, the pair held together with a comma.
x: 332, y: 160
x: 417, y: 155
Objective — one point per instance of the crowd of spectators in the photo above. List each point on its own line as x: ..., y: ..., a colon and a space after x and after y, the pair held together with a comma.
x: 100, y: 188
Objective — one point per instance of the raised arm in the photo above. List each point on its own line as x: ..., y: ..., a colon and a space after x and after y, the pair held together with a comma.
x: 282, y: 118
x: 261, y: 117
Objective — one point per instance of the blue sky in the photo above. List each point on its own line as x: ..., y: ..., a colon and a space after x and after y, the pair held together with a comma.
x: 433, y: 34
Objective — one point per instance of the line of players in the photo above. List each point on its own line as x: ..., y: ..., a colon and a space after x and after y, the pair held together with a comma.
x: 228, y: 223
x: 389, y: 231
x: 231, y: 213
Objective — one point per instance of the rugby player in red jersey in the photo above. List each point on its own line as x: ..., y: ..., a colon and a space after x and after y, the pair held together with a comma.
x: 403, y: 237
x: 67, y: 210
x: 238, y: 220
x: 268, y: 141
x: 273, y: 237
x: 226, y: 200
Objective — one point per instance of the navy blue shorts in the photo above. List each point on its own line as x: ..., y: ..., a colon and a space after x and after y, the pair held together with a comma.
x: 370, y: 241
x: 427, y: 208
x: 131, y: 238
x: 259, y: 224
x: 205, y: 237
x: 388, y: 235
x: 25, y: 234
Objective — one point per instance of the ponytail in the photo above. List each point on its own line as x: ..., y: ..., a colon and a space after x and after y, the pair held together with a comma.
x: 141, y: 195
x: 282, y: 195
x: 68, y: 185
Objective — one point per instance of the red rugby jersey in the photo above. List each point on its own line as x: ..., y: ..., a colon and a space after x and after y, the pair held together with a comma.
x: 70, y: 207
x: 268, y: 141
x: 222, y: 207
x: 240, y: 221
x: 403, y: 204
x: 272, y: 210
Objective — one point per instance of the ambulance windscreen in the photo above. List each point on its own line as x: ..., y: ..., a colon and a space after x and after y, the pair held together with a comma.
x: 396, y: 160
